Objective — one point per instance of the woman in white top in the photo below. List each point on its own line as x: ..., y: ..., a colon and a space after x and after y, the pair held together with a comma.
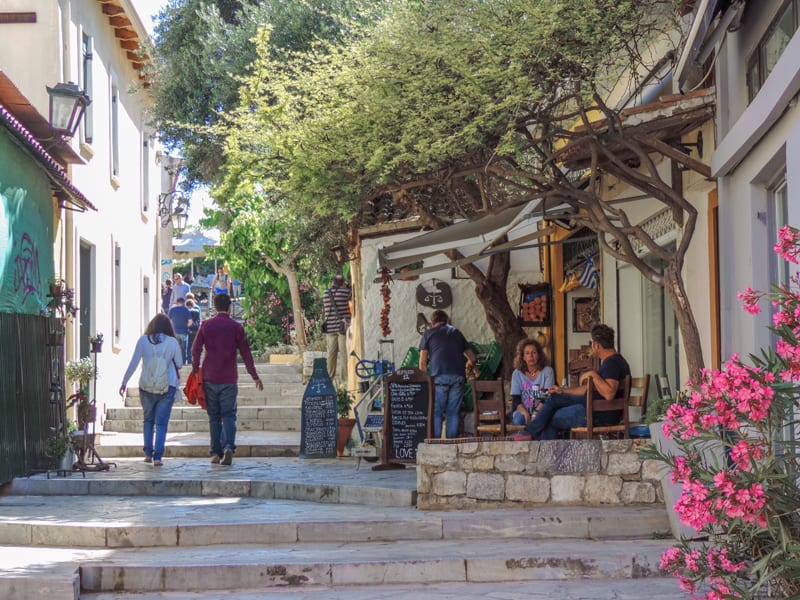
x: 158, y: 344
x: 530, y: 370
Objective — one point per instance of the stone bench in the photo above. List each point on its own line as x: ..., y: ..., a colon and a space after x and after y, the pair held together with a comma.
x: 491, y: 474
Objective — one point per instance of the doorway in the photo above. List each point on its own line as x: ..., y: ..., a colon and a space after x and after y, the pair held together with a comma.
x: 660, y: 333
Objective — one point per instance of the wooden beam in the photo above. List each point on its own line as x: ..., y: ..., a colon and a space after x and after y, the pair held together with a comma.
x: 129, y: 44
x: 676, y: 155
x: 112, y: 9
x: 126, y: 34
x: 120, y: 21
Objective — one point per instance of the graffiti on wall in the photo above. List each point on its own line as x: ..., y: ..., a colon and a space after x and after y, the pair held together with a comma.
x: 26, y: 269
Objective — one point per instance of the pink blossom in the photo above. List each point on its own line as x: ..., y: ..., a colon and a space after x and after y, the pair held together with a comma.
x: 787, y: 246
x: 750, y: 299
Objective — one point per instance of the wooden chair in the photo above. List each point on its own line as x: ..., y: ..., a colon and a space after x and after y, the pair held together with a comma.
x: 488, y: 398
x: 638, y: 397
x: 595, y: 405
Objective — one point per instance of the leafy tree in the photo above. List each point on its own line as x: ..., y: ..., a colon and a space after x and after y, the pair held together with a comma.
x: 203, y: 51
x: 453, y: 107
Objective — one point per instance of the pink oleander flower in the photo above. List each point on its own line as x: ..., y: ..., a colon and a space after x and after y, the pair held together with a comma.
x: 787, y: 246
x: 750, y: 299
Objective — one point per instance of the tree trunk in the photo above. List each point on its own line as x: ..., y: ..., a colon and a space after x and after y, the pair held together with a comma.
x: 290, y: 273
x: 297, y: 308
x: 673, y: 286
x: 490, y: 288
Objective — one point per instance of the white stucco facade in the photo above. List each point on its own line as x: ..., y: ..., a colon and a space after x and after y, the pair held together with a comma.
x: 466, y: 311
x: 111, y: 256
x: 758, y: 150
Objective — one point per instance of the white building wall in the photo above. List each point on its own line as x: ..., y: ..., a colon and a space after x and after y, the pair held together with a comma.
x: 466, y: 311
x: 45, y: 53
x: 757, y: 141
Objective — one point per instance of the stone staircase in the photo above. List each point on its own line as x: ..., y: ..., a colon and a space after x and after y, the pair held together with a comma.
x: 213, y: 544
x: 276, y: 408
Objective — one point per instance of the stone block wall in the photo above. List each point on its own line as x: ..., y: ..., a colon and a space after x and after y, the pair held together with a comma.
x: 490, y: 474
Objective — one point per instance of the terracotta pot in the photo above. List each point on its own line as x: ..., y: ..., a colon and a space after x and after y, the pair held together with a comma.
x: 343, y: 434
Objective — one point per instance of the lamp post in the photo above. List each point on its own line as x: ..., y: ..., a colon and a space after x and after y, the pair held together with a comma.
x: 173, y: 208
x: 67, y: 106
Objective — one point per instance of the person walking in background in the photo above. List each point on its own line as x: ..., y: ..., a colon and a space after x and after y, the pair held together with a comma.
x: 222, y: 337
x: 221, y: 284
x: 237, y: 289
x: 446, y: 347
x: 530, y: 373
x: 166, y: 296
x: 336, y: 320
x: 181, y: 321
x: 158, y: 350
x: 566, y: 407
x: 180, y: 288
x: 194, y: 311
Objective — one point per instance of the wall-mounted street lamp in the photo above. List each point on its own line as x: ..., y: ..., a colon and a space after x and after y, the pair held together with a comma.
x: 174, y: 208
x: 67, y: 105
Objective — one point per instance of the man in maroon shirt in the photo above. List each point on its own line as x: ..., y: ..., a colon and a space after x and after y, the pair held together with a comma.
x: 222, y: 337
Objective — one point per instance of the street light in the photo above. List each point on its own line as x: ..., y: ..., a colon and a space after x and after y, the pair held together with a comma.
x: 67, y: 105
x: 173, y: 208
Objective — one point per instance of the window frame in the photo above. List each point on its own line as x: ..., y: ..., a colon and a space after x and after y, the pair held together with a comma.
x: 756, y: 63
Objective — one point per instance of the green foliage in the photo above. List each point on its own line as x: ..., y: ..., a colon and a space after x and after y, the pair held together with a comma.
x: 59, y: 441
x: 344, y: 401
x: 80, y: 371
x: 656, y: 409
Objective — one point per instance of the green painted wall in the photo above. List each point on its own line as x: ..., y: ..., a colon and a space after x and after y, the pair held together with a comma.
x: 26, y: 230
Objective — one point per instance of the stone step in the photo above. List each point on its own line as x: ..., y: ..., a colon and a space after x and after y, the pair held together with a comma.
x: 246, y: 390
x: 267, y: 423
x: 259, y: 566
x: 189, y: 521
x: 246, y: 399
x: 655, y: 588
x: 194, y: 445
x: 189, y: 413
x: 326, y: 481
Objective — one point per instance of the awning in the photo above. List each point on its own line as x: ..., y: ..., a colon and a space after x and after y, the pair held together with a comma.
x: 475, y: 238
x: 484, y: 230
x: 193, y: 244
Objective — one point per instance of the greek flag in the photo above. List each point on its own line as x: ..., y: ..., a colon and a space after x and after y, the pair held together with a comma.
x: 590, y: 276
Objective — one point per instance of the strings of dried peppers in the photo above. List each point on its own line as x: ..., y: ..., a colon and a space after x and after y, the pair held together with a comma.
x: 386, y: 279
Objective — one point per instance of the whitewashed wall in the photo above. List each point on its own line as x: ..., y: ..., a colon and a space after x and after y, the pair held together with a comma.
x: 758, y: 141
x: 43, y: 54
x: 466, y: 312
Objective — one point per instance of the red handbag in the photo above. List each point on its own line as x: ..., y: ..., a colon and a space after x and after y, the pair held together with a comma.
x: 195, y: 394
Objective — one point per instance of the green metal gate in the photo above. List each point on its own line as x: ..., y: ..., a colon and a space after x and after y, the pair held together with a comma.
x: 31, y: 393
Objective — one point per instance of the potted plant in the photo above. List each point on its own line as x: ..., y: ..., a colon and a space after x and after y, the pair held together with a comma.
x: 81, y: 372
x: 344, y: 402
x: 96, y: 343
x: 58, y: 448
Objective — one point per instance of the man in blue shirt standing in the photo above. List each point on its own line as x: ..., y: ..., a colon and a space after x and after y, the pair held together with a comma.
x: 446, y: 347
x: 181, y: 319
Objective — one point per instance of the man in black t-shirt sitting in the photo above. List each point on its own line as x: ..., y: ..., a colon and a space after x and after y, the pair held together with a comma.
x: 566, y: 407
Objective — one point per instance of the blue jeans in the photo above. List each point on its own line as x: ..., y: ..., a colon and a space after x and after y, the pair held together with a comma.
x: 447, y: 404
x: 157, y: 408
x: 517, y: 418
x: 183, y: 341
x: 221, y: 403
x: 560, y: 411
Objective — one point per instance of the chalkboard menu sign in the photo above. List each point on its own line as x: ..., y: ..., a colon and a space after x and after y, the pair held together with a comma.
x: 319, y: 421
x: 408, y: 396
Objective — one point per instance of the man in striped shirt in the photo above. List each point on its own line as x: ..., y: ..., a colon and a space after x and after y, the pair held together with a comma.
x: 336, y: 320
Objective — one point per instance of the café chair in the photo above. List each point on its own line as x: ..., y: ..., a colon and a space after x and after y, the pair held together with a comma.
x: 597, y: 405
x: 638, y: 398
x: 488, y: 398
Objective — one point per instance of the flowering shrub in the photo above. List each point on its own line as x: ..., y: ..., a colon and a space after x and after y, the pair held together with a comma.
x: 739, y: 470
